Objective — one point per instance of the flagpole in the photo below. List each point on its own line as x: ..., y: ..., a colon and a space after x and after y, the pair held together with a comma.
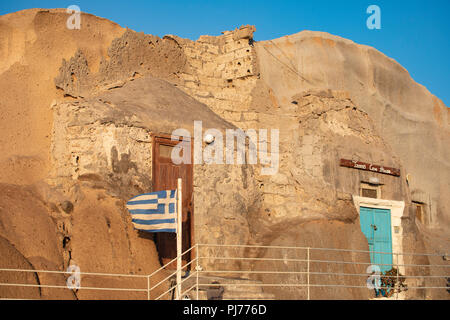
x: 179, y: 236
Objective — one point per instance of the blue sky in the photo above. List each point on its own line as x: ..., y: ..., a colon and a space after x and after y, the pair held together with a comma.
x: 415, y: 32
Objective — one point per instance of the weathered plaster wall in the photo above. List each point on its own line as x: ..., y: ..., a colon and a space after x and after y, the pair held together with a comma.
x: 109, y: 155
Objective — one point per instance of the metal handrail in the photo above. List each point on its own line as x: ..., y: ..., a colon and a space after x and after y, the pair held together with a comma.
x: 171, y: 261
x: 309, y: 261
x: 81, y: 273
x: 317, y: 273
x: 190, y: 289
x: 303, y: 285
x: 306, y: 270
x: 173, y: 287
x: 65, y: 287
x: 168, y: 277
x: 324, y: 261
x: 311, y: 248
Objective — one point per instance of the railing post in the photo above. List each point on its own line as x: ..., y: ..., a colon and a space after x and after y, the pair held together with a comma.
x: 197, y: 268
x: 398, y: 284
x: 307, y: 275
x: 148, y: 287
x: 179, y: 236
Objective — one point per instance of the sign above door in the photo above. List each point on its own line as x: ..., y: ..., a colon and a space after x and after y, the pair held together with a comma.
x: 369, y: 167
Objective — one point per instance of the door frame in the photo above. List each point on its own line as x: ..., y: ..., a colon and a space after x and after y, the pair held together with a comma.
x: 155, y: 137
x: 369, y: 231
x: 397, y: 211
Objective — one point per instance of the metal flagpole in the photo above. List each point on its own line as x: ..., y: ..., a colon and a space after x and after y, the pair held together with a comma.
x: 179, y: 236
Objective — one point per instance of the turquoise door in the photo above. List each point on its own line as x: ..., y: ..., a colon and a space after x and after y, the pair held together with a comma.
x: 376, y: 226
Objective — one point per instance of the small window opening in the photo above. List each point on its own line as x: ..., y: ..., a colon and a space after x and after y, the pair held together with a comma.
x: 370, y: 190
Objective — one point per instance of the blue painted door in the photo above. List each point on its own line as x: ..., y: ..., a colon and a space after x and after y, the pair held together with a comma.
x: 376, y: 226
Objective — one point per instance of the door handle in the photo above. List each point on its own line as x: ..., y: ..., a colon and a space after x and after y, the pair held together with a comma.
x: 374, y: 227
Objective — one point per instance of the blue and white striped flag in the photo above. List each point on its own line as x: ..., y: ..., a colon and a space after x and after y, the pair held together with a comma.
x: 155, y: 211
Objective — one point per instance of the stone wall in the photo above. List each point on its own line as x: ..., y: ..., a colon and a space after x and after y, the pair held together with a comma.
x: 218, y: 71
x: 222, y: 73
x: 224, y: 198
x: 115, y: 156
x: 316, y: 130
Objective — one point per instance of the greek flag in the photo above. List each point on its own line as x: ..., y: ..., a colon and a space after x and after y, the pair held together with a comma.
x: 155, y: 211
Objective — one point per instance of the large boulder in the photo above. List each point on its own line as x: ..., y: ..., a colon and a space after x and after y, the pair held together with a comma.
x: 27, y: 224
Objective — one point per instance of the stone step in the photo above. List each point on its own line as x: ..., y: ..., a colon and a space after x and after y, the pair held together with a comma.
x: 233, y: 295
x: 221, y: 280
x: 240, y: 295
x: 234, y: 288
x: 209, y: 279
x: 262, y: 297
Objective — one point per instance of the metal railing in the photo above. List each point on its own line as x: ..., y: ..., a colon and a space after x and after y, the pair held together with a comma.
x: 310, y: 266
x: 264, y: 272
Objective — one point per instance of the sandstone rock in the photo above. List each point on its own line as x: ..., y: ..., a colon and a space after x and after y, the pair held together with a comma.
x: 16, y: 261
x: 67, y: 206
x: 34, y: 42
x: 91, y: 150
x: 130, y: 56
x: 25, y: 222
x: 376, y: 85
x: 307, y: 235
x: 244, y: 32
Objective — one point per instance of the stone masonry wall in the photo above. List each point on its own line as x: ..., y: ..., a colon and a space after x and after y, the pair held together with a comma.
x: 113, y: 156
x: 222, y: 73
x: 116, y: 157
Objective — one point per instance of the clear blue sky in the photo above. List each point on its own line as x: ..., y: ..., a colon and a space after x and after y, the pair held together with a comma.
x: 415, y: 33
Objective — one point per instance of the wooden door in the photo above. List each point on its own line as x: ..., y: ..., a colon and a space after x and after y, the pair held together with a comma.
x: 376, y: 226
x: 165, y: 176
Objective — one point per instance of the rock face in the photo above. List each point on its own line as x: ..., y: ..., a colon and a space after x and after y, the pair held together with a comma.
x: 144, y: 54
x: 325, y: 273
x: 79, y: 147
x: 408, y: 117
x: 32, y: 44
x: 17, y: 260
x: 385, y: 117
x: 32, y: 238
